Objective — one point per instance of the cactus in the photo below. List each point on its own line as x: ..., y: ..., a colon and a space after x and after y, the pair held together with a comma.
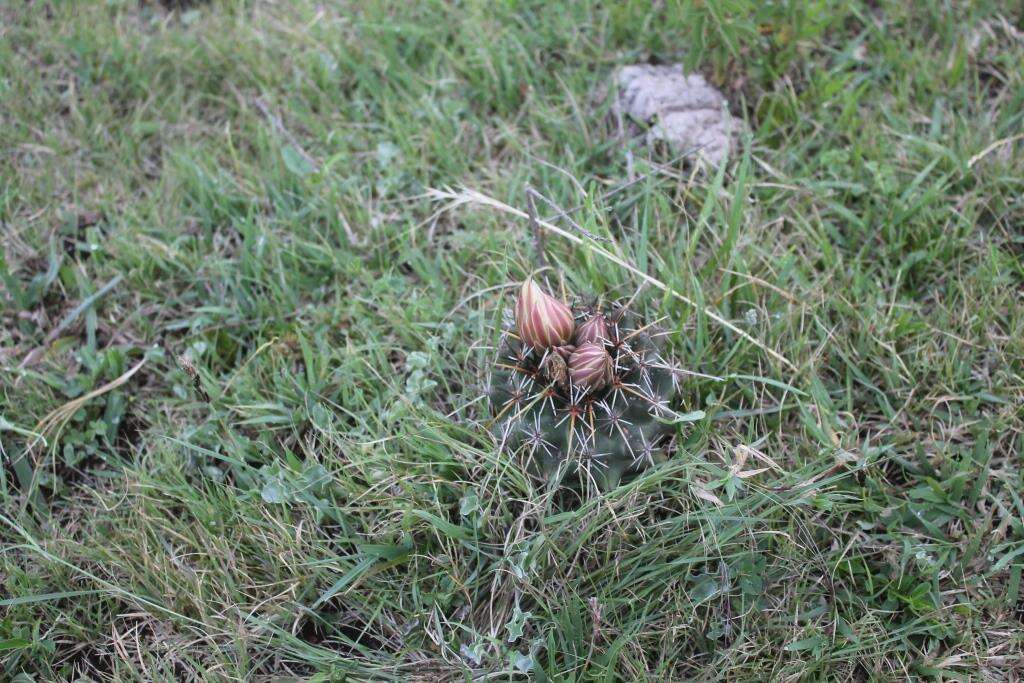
x: 589, y: 407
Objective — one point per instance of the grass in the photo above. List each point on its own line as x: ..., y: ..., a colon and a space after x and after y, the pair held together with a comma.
x: 246, y: 185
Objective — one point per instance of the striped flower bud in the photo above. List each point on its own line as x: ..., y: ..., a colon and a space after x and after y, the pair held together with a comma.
x: 594, y: 329
x: 543, y: 321
x: 590, y: 366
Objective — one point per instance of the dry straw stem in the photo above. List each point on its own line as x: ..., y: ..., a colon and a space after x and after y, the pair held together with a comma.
x: 468, y: 196
x: 994, y: 146
x: 59, y: 415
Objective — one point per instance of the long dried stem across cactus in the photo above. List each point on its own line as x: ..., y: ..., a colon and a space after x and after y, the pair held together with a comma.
x: 580, y: 390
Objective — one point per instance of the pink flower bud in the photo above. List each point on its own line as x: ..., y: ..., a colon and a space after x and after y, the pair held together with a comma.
x: 590, y: 366
x: 543, y: 321
x: 595, y: 329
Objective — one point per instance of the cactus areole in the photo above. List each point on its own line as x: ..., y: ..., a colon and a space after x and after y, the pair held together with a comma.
x: 580, y: 390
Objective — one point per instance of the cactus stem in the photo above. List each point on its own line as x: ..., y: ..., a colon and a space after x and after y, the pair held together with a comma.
x: 646, y: 452
x: 514, y: 368
x: 635, y: 390
x: 642, y: 329
x: 535, y: 438
x: 572, y: 412
x: 565, y: 425
x: 614, y: 420
x: 590, y: 454
x: 501, y: 413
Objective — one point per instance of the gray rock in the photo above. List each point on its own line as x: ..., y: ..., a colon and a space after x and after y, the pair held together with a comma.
x: 681, y: 109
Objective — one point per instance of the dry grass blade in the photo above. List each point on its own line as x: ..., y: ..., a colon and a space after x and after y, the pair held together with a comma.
x: 991, y: 148
x: 61, y: 414
x: 468, y: 196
